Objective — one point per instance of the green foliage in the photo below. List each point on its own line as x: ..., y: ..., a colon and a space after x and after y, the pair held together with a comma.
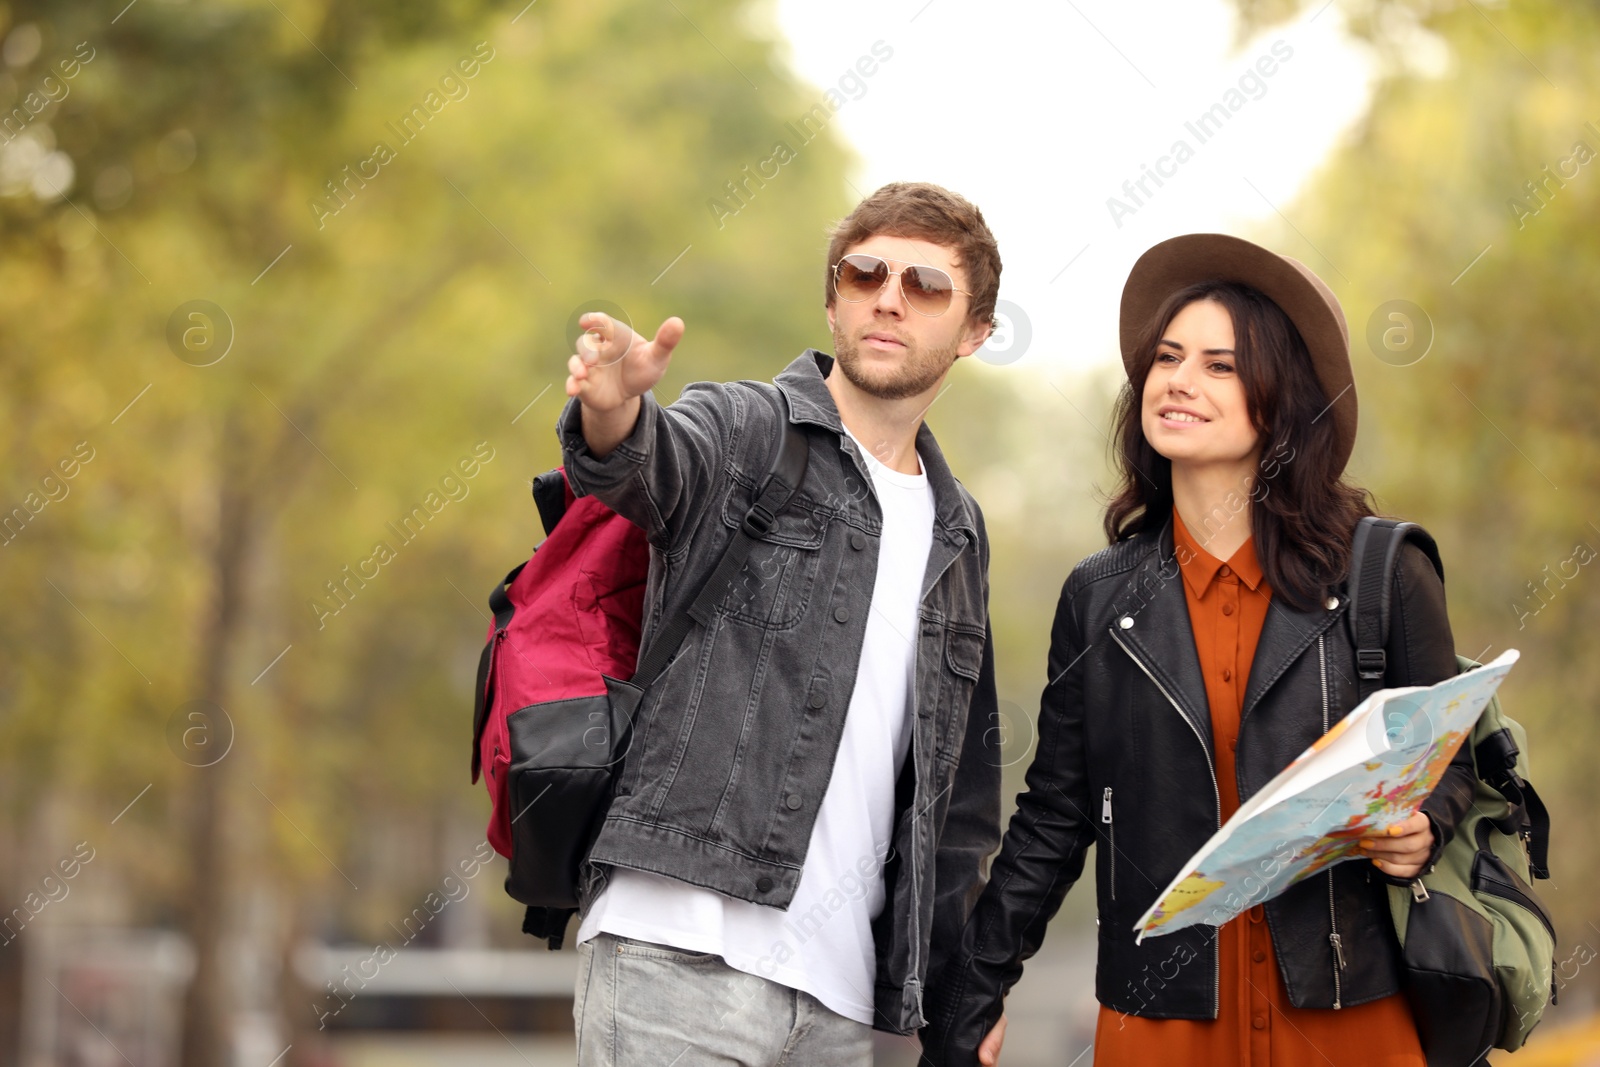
x: 380, y: 335
x: 1488, y: 439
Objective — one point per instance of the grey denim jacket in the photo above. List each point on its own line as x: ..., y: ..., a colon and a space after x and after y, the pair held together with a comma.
x: 734, y: 744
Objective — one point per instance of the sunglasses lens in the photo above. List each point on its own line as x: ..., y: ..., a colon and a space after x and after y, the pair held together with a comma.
x: 859, y: 277
x: 927, y: 289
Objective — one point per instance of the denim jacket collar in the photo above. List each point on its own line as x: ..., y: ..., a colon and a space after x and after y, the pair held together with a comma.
x: 804, y: 383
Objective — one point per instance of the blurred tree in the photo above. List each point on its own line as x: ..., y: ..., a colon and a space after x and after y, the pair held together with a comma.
x: 395, y: 212
x: 1471, y: 192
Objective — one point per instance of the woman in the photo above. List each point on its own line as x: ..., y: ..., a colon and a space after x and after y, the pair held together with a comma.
x: 1190, y: 662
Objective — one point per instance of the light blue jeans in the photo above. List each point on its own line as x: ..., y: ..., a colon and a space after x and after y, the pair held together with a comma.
x: 639, y: 1004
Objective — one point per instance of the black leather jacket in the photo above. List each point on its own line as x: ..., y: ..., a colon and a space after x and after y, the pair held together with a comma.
x: 1125, y: 714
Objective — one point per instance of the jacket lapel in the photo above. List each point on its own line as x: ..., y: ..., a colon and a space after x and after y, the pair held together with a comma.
x: 1151, y: 622
x: 1285, y: 635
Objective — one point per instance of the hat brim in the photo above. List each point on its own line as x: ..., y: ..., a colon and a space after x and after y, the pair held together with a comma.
x: 1199, y: 257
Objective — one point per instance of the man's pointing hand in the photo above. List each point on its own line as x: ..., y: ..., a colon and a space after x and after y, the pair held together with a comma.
x: 613, y: 365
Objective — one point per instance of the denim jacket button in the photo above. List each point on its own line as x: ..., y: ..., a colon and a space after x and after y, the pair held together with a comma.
x: 858, y: 541
x: 841, y: 614
x: 818, y: 698
x: 763, y: 884
x: 794, y: 801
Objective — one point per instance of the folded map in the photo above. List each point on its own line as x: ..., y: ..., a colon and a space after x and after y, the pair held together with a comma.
x: 1373, y: 769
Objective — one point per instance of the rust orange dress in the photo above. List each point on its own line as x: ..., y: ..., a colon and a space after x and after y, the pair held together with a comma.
x: 1256, y: 1026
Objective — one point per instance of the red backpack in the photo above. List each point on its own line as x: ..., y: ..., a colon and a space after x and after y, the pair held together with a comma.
x: 558, y: 683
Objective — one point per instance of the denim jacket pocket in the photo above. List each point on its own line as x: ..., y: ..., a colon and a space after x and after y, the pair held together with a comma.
x: 963, y: 652
x: 963, y: 662
x: 774, y: 588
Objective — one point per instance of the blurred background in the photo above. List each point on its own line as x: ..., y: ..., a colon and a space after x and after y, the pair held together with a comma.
x: 276, y: 274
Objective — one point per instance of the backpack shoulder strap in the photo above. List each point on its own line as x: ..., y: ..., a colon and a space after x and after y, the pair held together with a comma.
x: 1374, y: 552
x: 1373, y: 556
x: 785, y: 473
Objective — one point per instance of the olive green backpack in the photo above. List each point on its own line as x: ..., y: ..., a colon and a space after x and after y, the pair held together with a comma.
x: 1479, y: 946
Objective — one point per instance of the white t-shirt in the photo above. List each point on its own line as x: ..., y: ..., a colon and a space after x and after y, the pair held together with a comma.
x: 823, y: 943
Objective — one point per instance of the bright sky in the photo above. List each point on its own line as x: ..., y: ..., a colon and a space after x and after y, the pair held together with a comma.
x: 1039, y: 112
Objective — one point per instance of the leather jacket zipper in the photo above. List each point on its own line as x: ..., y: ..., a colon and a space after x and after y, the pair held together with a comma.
x: 1333, y: 917
x: 1216, y: 793
x: 1111, y: 833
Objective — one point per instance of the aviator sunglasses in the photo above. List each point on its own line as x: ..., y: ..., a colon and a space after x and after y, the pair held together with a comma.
x: 928, y: 290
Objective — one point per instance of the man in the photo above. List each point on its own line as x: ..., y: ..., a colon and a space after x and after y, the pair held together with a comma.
x: 813, y: 784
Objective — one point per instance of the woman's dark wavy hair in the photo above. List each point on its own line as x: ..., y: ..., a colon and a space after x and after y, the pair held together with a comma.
x: 1303, y: 513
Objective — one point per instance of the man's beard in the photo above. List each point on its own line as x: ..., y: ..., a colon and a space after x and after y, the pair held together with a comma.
x: 916, y: 374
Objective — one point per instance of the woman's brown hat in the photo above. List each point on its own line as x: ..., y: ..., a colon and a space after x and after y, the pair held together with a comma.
x: 1310, y: 305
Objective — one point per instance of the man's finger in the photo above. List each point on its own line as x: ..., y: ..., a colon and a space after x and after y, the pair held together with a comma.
x: 668, y: 336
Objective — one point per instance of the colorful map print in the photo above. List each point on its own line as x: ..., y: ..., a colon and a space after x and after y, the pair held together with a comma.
x: 1373, y: 769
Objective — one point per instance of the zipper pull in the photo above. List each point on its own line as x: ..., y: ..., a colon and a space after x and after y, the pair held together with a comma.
x: 1105, y: 806
x: 1419, y: 892
x: 1338, y: 949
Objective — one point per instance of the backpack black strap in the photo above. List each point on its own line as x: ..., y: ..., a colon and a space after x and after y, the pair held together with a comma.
x: 786, y: 471
x: 1496, y: 756
x: 550, y: 497
x: 500, y: 604
x: 1373, y: 555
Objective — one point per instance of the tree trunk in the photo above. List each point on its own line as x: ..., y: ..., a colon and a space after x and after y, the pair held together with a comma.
x: 11, y: 963
x: 206, y: 1038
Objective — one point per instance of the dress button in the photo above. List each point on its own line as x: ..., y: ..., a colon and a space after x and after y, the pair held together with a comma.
x: 763, y: 884
x: 1259, y: 1022
x: 1224, y: 570
x: 1227, y: 609
x: 858, y: 541
x: 1227, y: 674
x: 841, y: 614
x: 794, y: 801
x: 1259, y: 955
